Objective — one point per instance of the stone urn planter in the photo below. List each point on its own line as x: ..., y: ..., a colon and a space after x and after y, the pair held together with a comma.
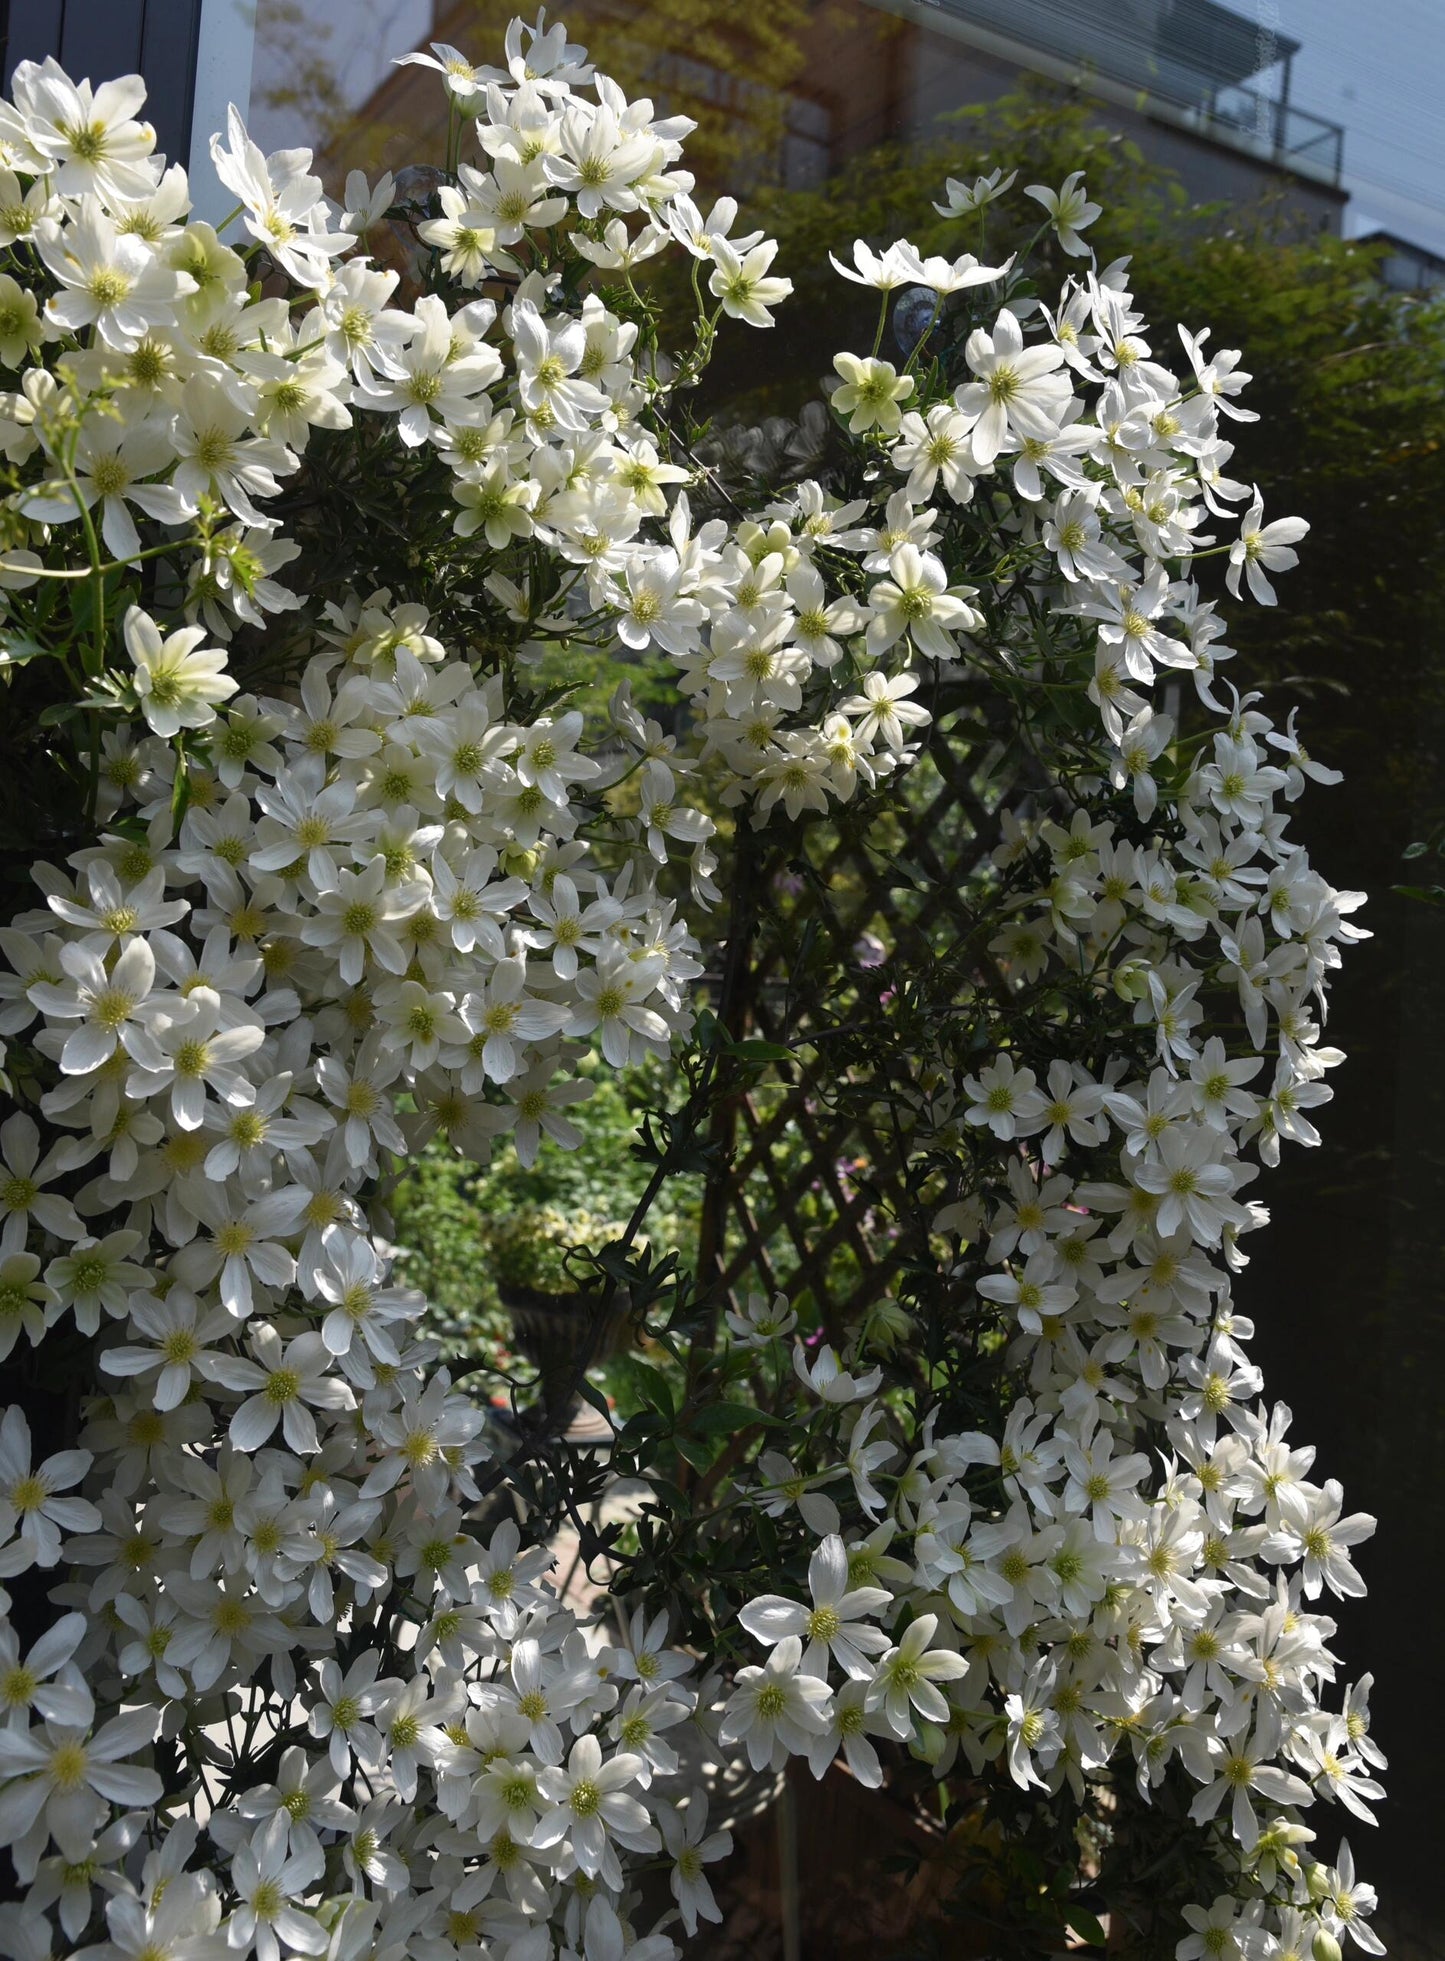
x: 564, y: 1335
x: 562, y: 1327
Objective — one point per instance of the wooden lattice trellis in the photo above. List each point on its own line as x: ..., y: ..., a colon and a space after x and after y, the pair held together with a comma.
x: 807, y: 1191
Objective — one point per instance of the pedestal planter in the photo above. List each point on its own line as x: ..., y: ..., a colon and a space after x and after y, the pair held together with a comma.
x: 564, y: 1335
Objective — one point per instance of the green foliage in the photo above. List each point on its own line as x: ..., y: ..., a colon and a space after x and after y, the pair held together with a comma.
x: 889, y: 192
x: 1419, y: 849
x: 461, y: 1231
x: 1348, y: 385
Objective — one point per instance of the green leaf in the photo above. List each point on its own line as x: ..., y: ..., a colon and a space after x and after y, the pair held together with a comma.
x: 672, y: 1497
x: 590, y: 1393
x: 754, y: 1050
x: 1085, y: 1925
x: 729, y: 1416
x: 18, y: 648
x: 653, y: 1385
x: 58, y: 714
x: 646, y: 1427
x: 695, y: 1450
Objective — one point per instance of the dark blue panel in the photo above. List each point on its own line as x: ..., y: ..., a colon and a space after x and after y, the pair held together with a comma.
x: 170, y: 32
x: 31, y: 31
x: 101, y: 38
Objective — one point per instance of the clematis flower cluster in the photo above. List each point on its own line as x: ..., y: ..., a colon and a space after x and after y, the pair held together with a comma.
x: 352, y: 886
x: 1133, y: 1563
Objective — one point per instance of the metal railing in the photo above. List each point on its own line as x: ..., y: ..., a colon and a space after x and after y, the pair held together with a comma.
x: 1292, y: 136
x: 1183, y: 74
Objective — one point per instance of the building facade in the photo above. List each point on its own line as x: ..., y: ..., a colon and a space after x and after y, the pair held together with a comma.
x: 1200, y: 87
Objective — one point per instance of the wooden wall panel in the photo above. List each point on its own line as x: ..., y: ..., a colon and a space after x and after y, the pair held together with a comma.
x: 100, y: 38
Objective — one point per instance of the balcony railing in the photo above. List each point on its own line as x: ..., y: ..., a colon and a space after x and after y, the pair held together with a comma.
x: 1182, y: 57
x: 1290, y: 136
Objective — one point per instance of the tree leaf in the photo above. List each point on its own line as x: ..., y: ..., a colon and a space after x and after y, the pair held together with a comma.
x: 730, y: 1416
x: 1085, y: 1925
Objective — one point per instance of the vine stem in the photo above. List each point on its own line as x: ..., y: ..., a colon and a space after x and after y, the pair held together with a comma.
x: 732, y: 1009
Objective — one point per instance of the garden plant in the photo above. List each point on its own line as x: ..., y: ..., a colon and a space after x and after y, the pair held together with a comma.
x: 334, y: 861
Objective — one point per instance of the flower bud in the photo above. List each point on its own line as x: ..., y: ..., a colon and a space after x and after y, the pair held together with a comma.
x: 927, y: 1743
x: 1131, y: 980
x: 1326, y: 1947
x: 887, y: 1324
